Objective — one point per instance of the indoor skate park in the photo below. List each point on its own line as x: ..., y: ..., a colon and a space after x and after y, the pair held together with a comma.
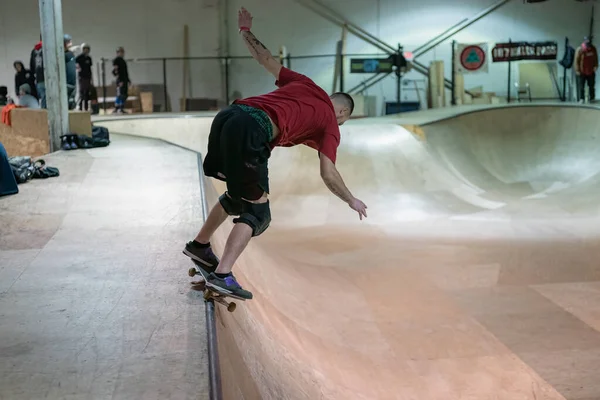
x: 474, y: 276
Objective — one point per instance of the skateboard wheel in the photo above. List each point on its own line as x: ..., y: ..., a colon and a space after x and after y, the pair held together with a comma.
x: 192, y: 272
x: 231, y: 307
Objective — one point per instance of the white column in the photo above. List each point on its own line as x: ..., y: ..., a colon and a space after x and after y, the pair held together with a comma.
x: 54, y: 70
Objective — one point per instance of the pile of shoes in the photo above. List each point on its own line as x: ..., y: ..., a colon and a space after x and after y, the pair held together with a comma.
x: 72, y: 141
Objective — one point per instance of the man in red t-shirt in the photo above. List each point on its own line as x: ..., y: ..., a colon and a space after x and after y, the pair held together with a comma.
x: 240, y: 142
x: 586, y: 64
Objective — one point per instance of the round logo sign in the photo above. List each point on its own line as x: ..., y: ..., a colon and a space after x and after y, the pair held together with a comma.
x: 472, y: 58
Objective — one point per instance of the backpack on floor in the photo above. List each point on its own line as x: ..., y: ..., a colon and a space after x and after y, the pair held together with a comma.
x: 42, y: 171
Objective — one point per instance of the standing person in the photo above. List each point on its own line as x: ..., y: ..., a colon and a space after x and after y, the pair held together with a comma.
x: 586, y: 64
x: 240, y: 142
x: 120, y: 71
x: 84, y: 67
x: 24, y: 76
x: 36, y: 66
x: 71, y: 67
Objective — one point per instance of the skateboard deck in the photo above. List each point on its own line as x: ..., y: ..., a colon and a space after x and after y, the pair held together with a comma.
x: 211, y: 293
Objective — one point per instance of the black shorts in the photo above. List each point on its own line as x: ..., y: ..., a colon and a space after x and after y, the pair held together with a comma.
x: 238, y: 153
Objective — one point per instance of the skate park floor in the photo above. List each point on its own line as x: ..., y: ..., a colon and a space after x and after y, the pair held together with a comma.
x: 93, y: 303
x: 475, y: 275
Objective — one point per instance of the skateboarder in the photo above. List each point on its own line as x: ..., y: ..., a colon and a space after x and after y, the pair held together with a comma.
x: 239, y: 145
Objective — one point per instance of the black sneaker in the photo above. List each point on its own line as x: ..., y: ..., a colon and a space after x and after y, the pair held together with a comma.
x: 228, y: 286
x: 203, y: 255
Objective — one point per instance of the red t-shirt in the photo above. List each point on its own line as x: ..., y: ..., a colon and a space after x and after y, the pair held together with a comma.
x: 302, y: 111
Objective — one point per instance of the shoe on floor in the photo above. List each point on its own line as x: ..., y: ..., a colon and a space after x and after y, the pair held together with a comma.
x: 228, y: 285
x: 204, y: 255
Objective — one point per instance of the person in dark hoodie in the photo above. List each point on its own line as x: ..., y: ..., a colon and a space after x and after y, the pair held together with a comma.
x: 84, y: 66
x: 24, y: 76
x: 71, y: 66
x: 36, y: 66
x: 122, y: 74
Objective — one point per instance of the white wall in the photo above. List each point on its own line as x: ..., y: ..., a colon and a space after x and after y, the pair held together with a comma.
x: 154, y: 28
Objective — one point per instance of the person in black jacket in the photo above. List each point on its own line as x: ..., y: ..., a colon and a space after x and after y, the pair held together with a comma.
x: 24, y: 76
x: 122, y: 74
x: 71, y: 67
x: 36, y: 66
x: 84, y: 67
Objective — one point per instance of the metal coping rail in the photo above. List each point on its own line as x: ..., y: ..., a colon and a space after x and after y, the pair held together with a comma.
x: 214, y: 370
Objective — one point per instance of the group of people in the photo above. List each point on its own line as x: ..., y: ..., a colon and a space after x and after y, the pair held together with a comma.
x: 30, y: 83
x: 78, y: 74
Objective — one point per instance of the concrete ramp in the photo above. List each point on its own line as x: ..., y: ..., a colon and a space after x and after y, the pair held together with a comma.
x: 475, y: 275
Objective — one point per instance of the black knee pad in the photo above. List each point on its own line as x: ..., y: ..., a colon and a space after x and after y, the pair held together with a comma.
x: 231, y: 206
x: 257, y: 216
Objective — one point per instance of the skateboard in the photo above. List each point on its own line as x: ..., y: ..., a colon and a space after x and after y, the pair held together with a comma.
x: 211, y: 293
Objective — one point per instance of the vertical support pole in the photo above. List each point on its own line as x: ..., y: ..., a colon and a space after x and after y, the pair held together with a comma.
x: 104, y: 84
x: 227, y: 80
x: 399, y: 76
x: 54, y: 70
x: 289, y: 61
x: 591, y: 35
x: 186, y: 68
x: 564, y: 89
x: 342, y: 59
x: 509, y: 69
x: 282, y: 54
x: 165, y: 93
x: 453, y: 100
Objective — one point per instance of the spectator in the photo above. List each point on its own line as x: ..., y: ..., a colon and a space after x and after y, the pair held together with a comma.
x: 586, y: 64
x: 25, y: 97
x: 71, y: 67
x: 84, y: 67
x: 3, y: 95
x: 22, y: 77
x: 120, y: 71
x: 36, y: 66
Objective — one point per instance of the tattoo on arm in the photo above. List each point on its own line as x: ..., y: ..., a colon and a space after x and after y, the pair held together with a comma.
x: 258, y: 50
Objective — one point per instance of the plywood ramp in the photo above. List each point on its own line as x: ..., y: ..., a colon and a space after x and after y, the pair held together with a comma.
x: 28, y: 133
x: 475, y: 275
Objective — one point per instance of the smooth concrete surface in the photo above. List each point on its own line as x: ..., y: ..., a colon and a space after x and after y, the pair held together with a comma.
x: 94, y: 296
x: 475, y: 276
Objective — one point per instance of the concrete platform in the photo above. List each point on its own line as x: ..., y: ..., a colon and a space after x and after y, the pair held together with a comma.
x: 94, y: 297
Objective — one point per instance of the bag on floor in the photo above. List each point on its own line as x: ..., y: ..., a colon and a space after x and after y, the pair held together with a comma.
x: 22, y: 167
x: 100, y: 132
x: 42, y: 171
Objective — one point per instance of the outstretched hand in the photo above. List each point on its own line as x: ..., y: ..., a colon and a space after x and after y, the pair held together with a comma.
x: 244, y: 19
x: 359, y: 207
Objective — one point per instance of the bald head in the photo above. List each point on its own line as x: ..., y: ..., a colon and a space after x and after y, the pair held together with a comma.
x: 343, y: 106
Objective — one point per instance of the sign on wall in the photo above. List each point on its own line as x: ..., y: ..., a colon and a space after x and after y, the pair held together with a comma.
x: 515, y: 51
x: 371, y: 65
x: 471, y: 58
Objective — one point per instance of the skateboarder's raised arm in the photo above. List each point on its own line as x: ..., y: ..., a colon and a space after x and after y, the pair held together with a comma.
x: 257, y: 49
x: 334, y: 182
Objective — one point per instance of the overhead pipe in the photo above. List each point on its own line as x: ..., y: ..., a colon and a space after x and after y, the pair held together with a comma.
x: 364, y: 85
x: 337, y: 20
x: 448, y: 34
x: 424, y: 45
x: 334, y: 14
